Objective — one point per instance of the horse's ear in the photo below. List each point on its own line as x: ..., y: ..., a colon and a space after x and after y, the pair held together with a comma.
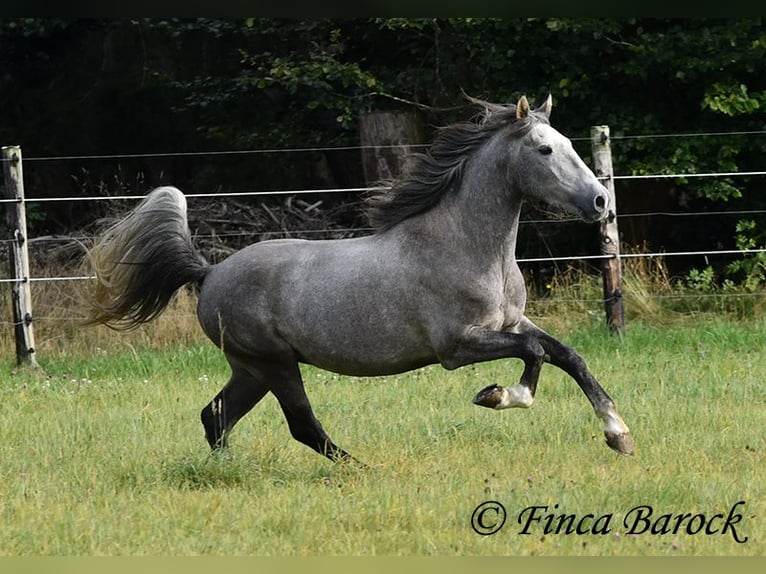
x: 546, y: 107
x: 522, y: 108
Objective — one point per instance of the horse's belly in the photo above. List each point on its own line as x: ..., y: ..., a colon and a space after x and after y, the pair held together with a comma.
x: 355, y: 352
x: 368, y: 368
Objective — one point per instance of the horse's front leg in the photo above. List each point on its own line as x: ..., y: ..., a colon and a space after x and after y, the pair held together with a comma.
x: 485, y: 345
x: 617, y: 434
x: 534, y: 346
x: 520, y: 395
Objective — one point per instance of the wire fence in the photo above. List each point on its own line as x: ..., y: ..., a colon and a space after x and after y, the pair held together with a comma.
x: 361, y: 190
x: 250, y: 193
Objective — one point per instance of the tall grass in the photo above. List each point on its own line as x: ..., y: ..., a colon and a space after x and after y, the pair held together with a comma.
x: 103, y: 452
x: 650, y: 294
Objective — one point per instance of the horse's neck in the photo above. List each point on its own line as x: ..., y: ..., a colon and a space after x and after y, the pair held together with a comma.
x: 488, y: 203
x: 480, y: 223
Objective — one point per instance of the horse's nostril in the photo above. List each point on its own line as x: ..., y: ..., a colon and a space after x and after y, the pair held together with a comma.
x: 600, y: 202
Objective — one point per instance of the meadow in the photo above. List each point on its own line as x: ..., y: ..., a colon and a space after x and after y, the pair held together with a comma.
x: 103, y: 452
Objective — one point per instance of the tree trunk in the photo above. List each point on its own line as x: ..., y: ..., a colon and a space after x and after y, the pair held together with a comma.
x: 388, y: 138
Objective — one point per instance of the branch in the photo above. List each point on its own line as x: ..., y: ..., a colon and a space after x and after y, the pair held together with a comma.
x: 414, y: 104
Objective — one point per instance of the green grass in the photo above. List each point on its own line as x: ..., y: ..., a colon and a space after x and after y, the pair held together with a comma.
x: 103, y: 453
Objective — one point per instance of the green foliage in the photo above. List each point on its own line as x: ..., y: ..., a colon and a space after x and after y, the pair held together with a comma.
x: 701, y: 280
x: 317, y: 75
x: 320, y: 77
x: 749, y: 271
x: 744, y: 275
x: 731, y: 100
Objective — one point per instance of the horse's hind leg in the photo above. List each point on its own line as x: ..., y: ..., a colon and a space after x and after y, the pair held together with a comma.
x: 287, y: 386
x: 235, y: 400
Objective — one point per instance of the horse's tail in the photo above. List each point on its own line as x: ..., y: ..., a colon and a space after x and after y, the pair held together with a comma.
x: 142, y: 260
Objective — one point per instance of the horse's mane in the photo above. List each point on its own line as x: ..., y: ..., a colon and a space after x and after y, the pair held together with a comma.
x: 439, y: 171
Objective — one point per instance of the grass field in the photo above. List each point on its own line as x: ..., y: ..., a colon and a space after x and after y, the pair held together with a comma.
x: 103, y: 453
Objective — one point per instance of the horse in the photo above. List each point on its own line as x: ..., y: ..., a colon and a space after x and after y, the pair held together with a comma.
x: 436, y: 282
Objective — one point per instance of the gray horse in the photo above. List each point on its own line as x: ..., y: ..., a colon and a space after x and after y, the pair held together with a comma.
x: 437, y: 283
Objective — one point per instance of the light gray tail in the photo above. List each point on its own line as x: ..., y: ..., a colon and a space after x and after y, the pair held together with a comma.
x: 142, y: 260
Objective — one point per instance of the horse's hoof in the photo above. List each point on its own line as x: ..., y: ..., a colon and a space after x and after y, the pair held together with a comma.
x: 620, y: 442
x: 489, y: 397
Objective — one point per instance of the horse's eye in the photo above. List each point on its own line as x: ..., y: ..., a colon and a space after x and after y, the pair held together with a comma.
x: 545, y: 149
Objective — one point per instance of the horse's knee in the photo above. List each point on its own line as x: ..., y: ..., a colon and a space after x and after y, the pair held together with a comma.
x: 489, y: 345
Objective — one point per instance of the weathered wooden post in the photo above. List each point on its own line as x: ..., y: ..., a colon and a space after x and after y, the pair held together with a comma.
x: 611, y: 267
x: 19, y: 256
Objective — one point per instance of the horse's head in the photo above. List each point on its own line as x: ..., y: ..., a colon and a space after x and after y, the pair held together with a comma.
x: 549, y: 171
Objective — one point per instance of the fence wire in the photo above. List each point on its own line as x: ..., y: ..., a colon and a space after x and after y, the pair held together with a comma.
x: 362, y: 190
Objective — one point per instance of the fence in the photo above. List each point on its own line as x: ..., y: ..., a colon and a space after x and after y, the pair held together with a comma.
x: 609, y: 255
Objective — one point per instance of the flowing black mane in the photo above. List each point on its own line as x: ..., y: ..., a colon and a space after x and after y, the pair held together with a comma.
x: 440, y: 170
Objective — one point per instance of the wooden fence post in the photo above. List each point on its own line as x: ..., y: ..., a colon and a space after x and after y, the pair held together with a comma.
x: 610, y: 238
x: 18, y: 256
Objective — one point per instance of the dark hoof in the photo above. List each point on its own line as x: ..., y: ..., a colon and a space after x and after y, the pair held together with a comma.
x: 620, y: 442
x: 489, y: 396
